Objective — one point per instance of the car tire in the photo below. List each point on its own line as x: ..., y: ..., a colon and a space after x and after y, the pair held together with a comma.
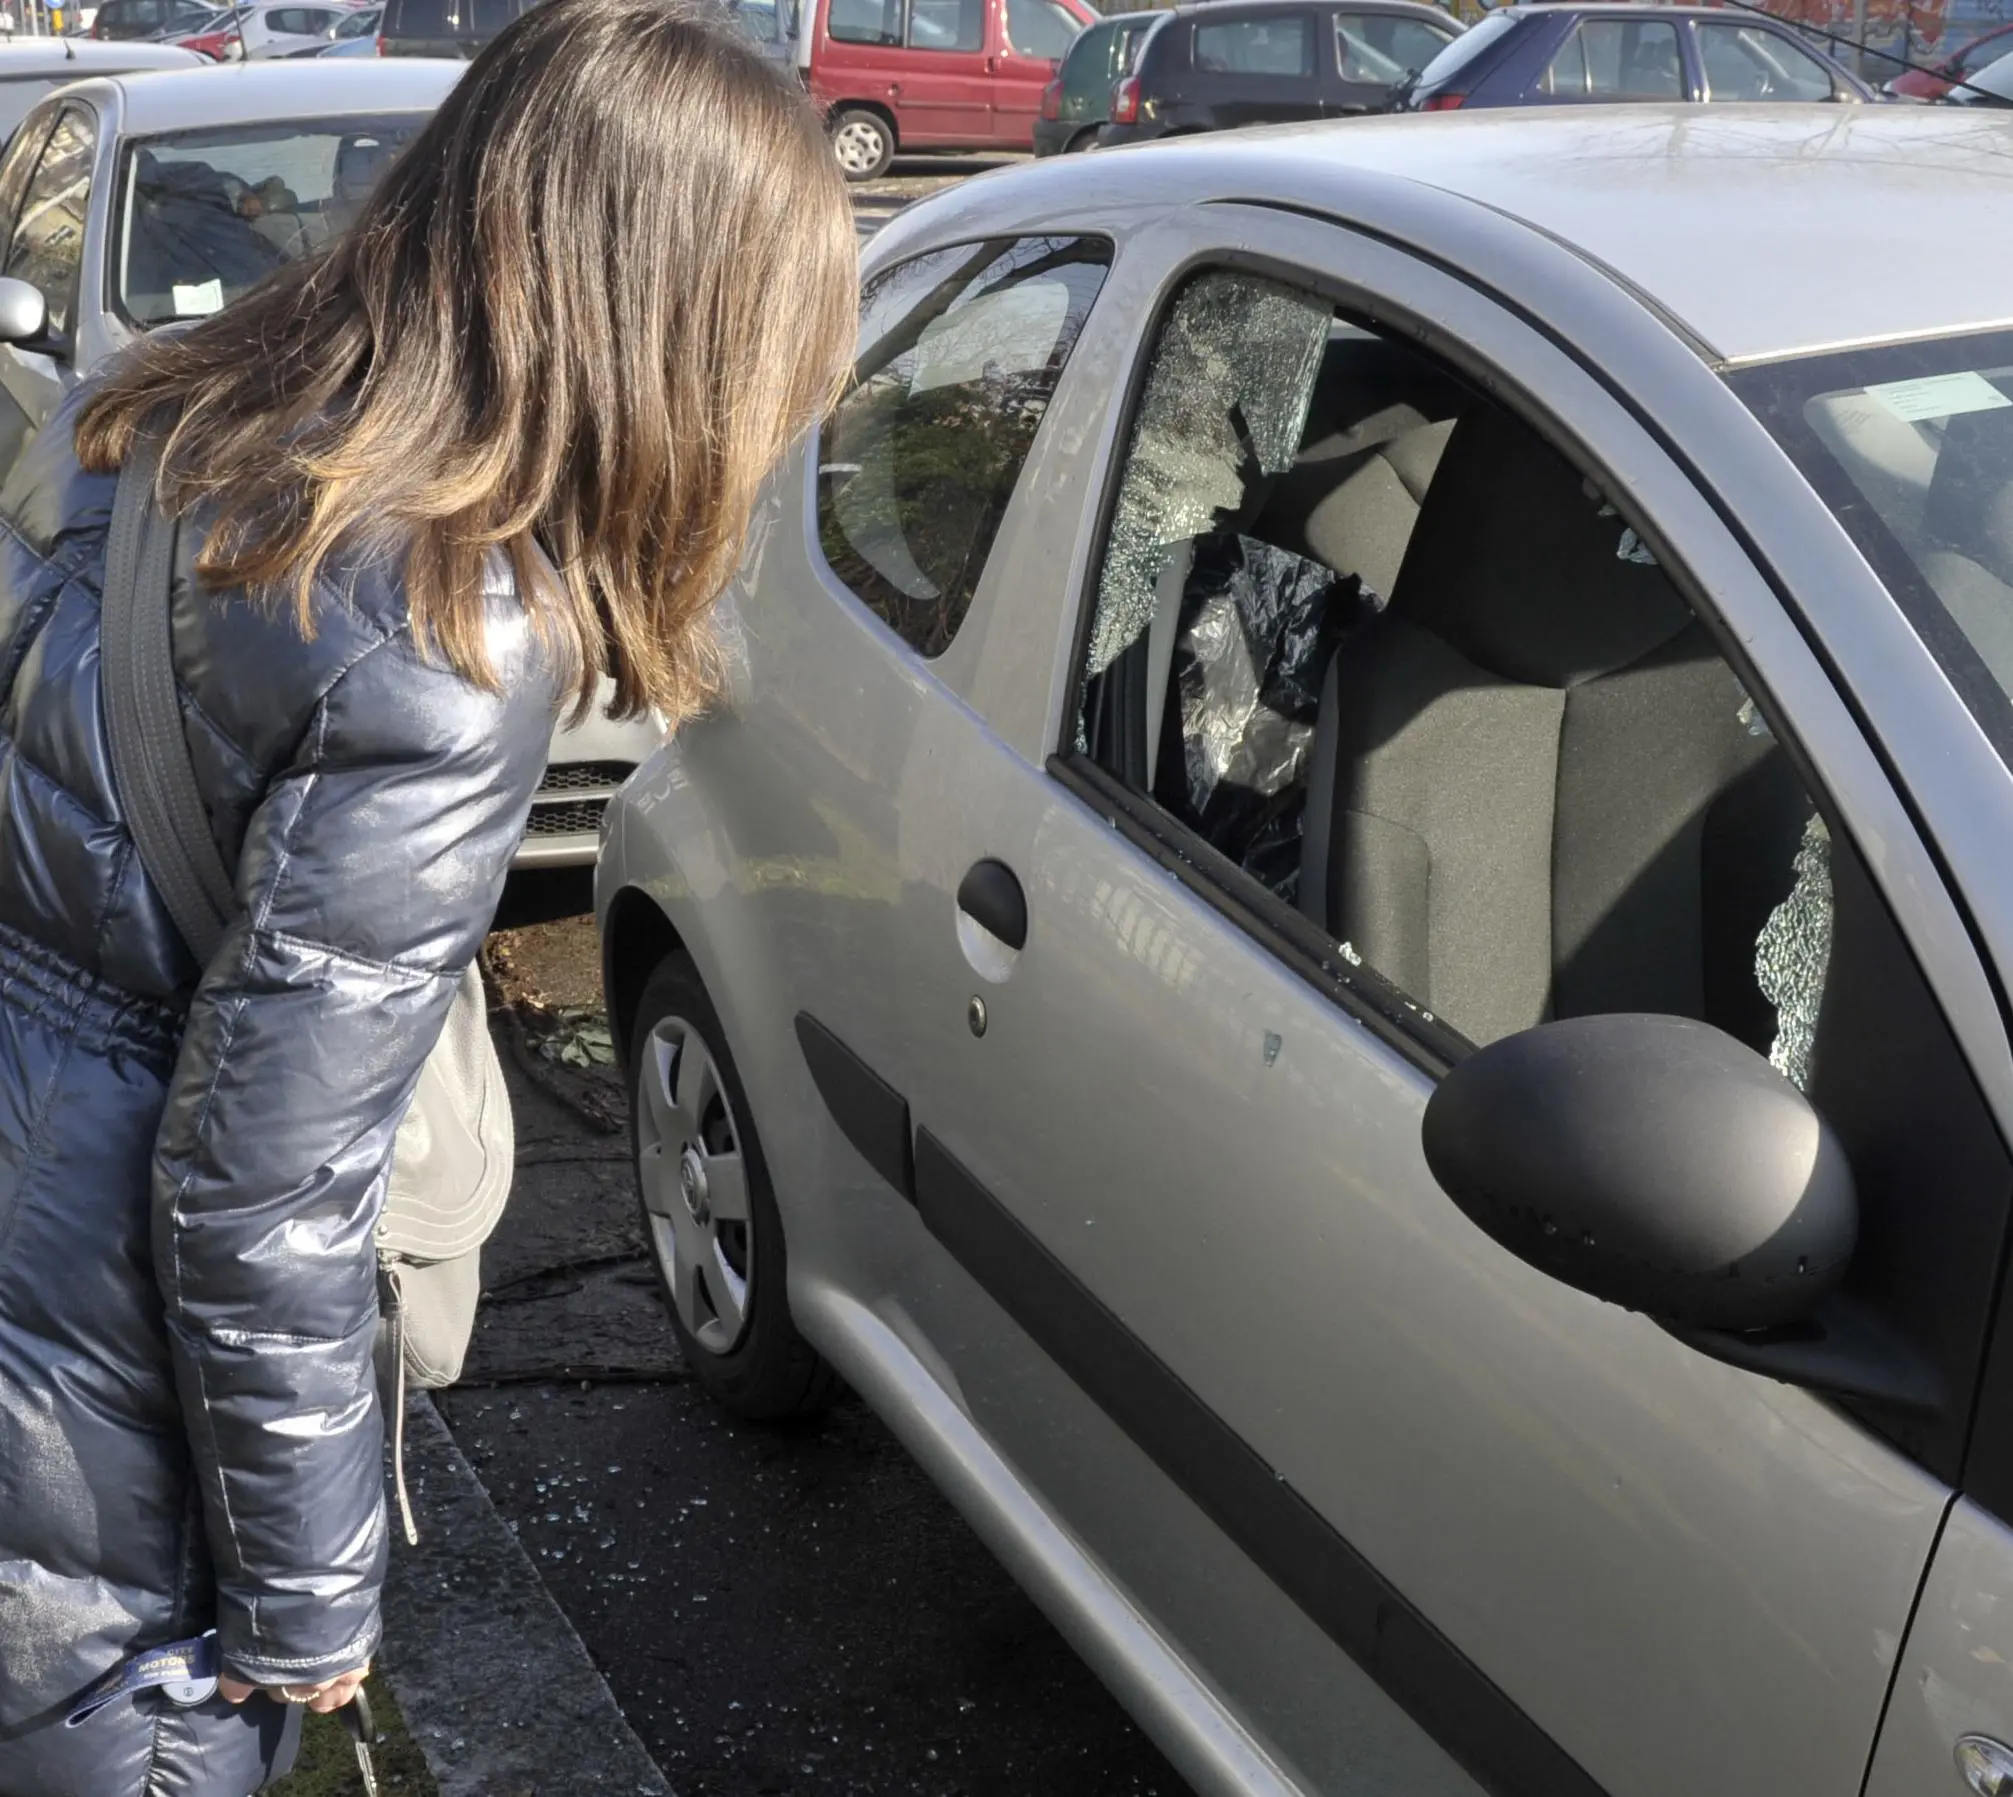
x: 864, y: 143
x: 1085, y: 139
x: 724, y: 1279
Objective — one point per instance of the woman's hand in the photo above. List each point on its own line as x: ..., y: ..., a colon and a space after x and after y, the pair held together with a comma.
x: 330, y: 1695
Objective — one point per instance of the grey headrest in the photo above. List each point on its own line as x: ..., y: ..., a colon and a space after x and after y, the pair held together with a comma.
x: 1970, y: 505
x: 1521, y: 568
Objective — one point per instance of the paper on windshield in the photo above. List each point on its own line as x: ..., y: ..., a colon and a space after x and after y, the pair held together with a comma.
x: 1939, y: 396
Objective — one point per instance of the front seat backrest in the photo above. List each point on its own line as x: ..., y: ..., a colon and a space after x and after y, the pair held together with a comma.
x: 1536, y: 794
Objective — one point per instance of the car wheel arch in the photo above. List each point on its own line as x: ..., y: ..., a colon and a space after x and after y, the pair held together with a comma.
x: 636, y: 937
x: 879, y: 108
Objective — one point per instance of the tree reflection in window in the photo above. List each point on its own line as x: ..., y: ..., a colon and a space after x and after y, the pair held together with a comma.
x: 961, y: 352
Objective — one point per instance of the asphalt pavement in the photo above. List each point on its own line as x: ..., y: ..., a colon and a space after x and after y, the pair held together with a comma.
x: 775, y: 1610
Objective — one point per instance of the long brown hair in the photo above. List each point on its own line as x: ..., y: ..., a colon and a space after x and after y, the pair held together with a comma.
x: 588, y: 309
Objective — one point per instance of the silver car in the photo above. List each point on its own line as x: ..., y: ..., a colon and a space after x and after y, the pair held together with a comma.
x: 1344, y: 939
x: 133, y: 201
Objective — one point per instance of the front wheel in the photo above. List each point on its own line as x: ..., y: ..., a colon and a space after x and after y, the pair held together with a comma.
x: 864, y: 143
x: 709, y: 1213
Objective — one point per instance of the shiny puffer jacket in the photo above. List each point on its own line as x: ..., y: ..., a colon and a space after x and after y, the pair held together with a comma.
x: 192, y: 1160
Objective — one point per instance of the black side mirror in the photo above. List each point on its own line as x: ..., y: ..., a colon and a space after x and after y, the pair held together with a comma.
x: 1653, y: 1162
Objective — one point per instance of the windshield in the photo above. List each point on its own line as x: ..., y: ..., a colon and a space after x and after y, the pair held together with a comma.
x: 207, y: 213
x: 1911, y: 445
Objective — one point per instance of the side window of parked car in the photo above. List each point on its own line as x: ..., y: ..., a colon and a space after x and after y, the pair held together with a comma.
x: 947, y: 25
x: 960, y: 352
x: 1274, y: 46
x: 1397, y: 679
x: 1040, y: 28
x: 865, y: 21
x: 46, y: 245
x: 1617, y: 59
x: 1384, y: 48
x: 1750, y: 62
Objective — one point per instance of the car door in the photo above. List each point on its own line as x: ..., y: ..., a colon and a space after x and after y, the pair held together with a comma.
x: 45, y: 247
x: 1166, y: 1137
x: 1033, y: 37
x: 1374, y: 52
x: 927, y: 59
x: 1255, y: 69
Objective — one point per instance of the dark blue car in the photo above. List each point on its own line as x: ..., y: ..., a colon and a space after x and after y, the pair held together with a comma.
x: 1553, y: 55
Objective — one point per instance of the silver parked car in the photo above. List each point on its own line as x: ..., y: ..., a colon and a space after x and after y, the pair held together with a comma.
x: 32, y: 67
x: 1345, y: 937
x: 134, y: 201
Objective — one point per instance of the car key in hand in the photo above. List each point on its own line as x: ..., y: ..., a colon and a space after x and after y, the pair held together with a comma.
x: 356, y: 1717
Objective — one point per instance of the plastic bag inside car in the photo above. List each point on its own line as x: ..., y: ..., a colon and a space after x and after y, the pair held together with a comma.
x: 1226, y: 402
x: 1259, y: 626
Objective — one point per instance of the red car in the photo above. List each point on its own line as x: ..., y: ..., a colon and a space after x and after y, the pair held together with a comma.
x: 933, y: 74
x: 1981, y: 52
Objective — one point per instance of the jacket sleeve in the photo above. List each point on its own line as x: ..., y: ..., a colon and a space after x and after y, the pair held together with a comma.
x: 370, y: 871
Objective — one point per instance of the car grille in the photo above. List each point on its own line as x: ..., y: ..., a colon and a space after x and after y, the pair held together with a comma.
x: 583, y: 776
x: 583, y: 817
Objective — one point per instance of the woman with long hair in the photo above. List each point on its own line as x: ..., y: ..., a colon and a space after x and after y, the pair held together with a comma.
x: 498, y: 440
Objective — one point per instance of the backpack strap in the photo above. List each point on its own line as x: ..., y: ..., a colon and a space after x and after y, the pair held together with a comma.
x: 151, y: 765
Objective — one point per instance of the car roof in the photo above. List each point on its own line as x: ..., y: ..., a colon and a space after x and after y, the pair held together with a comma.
x: 250, y: 93
x: 1642, y: 9
x: 1763, y: 231
x: 87, y: 56
x: 1197, y: 9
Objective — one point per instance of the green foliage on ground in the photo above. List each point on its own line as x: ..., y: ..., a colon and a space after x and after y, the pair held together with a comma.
x: 328, y: 1768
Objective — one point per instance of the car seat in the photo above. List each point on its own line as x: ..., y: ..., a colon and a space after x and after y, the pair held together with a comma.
x: 1968, y: 521
x: 1536, y: 789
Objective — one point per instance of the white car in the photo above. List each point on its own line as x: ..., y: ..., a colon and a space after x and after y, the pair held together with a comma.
x: 275, y: 28
x: 129, y: 202
x: 1989, y: 87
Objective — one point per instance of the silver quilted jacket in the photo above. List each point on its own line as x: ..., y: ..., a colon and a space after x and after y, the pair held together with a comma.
x: 192, y: 1160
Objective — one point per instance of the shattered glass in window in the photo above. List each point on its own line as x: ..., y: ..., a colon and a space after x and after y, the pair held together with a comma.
x: 1225, y: 403
x: 1792, y: 953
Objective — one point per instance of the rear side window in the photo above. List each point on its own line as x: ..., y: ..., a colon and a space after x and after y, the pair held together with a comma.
x: 1383, y: 48
x: 449, y: 18
x: 1278, y: 46
x: 1040, y: 28
x: 961, y: 352
x: 1465, y: 49
x: 1617, y: 59
x: 947, y: 25
x: 865, y: 22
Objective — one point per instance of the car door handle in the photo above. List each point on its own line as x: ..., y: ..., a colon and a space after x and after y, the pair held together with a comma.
x: 991, y: 896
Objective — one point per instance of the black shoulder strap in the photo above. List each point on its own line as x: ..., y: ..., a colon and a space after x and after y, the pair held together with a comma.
x: 143, y: 713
